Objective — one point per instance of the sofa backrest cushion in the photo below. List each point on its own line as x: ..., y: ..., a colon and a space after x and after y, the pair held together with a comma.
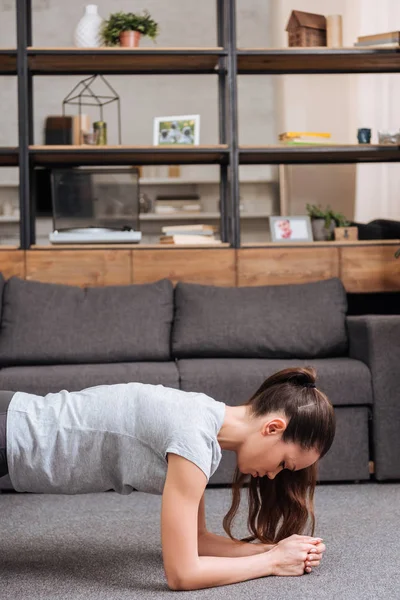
x: 300, y: 321
x: 46, y: 323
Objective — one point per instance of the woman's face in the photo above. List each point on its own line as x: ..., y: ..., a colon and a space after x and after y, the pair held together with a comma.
x: 265, y: 454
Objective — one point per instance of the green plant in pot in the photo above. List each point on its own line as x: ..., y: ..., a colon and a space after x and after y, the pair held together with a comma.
x: 323, y: 222
x: 126, y: 29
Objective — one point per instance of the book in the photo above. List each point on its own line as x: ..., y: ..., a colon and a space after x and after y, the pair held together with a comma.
x: 305, y: 143
x: 391, y: 36
x: 167, y: 209
x: 195, y: 228
x: 188, y: 239
x: 188, y: 232
x: 298, y: 134
x: 377, y: 45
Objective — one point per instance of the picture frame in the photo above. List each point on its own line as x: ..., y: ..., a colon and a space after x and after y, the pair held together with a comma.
x: 288, y: 230
x: 179, y: 130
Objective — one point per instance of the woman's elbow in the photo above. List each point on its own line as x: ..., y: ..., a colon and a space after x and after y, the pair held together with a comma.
x: 177, y: 585
x: 180, y: 584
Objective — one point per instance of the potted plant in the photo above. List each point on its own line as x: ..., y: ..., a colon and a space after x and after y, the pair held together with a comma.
x: 324, y: 222
x: 125, y: 29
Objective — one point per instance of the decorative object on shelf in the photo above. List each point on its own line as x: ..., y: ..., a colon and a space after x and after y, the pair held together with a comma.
x: 290, y: 229
x: 306, y: 29
x: 65, y: 130
x: 88, y: 31
x: 364, y: 135
x: 324, y: 222
x: 177, y: 130
x: 389, y: 137
x: 334, y: 31
x: 300, y: 138
x: 90, y: 137
x: 83, y: 94
x: 126, y: 29
x: 389, y: 40
x: 100, y: 129
x: 146, y: 204
x: 346, y: 233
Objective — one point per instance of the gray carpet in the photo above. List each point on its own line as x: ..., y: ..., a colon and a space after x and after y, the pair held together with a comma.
x: 106, y: 546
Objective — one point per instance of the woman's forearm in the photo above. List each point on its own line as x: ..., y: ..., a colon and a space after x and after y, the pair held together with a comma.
x: 216, y: 571
x: 210, y: 544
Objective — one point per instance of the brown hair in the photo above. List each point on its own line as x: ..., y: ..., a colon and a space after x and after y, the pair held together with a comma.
x: 281, y: 506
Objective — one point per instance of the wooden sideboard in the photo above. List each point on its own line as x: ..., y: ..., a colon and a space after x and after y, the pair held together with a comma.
x: 364, y: 267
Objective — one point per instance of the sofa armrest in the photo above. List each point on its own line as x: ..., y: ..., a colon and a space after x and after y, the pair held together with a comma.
x: 375, y: 340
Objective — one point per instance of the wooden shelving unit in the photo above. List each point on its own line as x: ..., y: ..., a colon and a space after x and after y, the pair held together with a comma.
x: 128, y: 155
x: 8, y: 61
x: 306, y: 154
x: 291, y: 61
x: 204, y: 216
x: 153, y: 61
x: 8, y: 157
x: 226, y: 61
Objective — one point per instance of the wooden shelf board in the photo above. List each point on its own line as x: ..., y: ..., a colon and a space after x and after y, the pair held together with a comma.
x: 128, y: 155
x: 289, y: 245
x: 54, y: 61
x: 147, y: 181
x: 9, y: 157
x: 8, y: 61
x: 197, y: 217
x: 320, y: 60
x: 307, y: 154
x: 126, y: 246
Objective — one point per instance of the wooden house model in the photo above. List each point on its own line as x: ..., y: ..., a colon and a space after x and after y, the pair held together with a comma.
x: 306, y: 29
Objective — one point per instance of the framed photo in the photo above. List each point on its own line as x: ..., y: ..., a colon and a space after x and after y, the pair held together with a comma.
x: 179, y: 129
x: 291, y: 229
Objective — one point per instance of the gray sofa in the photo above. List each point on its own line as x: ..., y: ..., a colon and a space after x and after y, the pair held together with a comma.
x: 217, y: 340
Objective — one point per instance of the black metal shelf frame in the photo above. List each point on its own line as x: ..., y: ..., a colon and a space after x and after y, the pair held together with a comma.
x: 230, y: 62
x: 227, y: 133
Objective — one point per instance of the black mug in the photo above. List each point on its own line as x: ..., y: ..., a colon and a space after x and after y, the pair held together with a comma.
x: 364, y: 135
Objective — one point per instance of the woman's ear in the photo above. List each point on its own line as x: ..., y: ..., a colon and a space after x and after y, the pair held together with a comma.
x: 276, y: 426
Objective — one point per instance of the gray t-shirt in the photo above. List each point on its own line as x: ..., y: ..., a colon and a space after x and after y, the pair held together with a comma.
x: 109, y: 437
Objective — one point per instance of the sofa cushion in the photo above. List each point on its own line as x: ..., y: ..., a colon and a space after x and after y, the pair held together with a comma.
x: 303, y: 321
x: 45, y: 379
x: 45, y: 323
x: 234, y: 380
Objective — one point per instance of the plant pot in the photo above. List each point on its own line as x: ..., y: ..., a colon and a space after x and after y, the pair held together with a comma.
x: 320, y: 232
x: 129, y: 39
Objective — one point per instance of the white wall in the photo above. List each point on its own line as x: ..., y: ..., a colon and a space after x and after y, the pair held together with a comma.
x: 316, y: 103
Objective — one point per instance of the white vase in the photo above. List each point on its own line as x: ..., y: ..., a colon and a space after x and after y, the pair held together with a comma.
x: 88, y: 31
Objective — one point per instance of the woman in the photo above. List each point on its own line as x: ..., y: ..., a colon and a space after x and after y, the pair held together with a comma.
x: 165, y: 441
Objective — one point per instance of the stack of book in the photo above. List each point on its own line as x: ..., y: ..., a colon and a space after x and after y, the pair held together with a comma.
x: 188, y: 234
x: 177, y: 205
x: 387, y: 40
x: 298, y: 138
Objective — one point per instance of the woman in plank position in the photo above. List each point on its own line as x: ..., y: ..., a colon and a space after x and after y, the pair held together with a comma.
x: 160, y: 440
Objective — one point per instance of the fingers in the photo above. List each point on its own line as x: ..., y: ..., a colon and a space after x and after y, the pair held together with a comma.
x: 313, y: 563
x: 314, y: 557
x: 308, y: 538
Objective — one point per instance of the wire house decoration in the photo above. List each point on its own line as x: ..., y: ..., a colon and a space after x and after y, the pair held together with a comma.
x: 83, y: 95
